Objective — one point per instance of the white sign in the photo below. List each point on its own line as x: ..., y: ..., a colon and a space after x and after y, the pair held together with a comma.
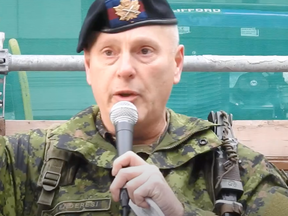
x: 199, y: 10
x: 250, y: 32
x: 184, y: 29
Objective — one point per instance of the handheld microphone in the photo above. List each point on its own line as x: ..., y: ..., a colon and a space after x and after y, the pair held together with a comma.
x: 124, y: 116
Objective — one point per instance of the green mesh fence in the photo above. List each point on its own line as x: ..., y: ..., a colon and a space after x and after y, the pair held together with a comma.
x: 220, y: 27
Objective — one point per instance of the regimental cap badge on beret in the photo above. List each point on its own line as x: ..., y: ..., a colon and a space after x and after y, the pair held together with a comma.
x: 128, y: 9
x: 112, y: 16
x: 124, y: 12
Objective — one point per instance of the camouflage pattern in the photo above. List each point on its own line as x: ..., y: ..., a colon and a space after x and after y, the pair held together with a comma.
x: 186, y: 139
x: 147, y: 148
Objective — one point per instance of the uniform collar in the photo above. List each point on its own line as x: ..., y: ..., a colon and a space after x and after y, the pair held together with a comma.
x: 186, y: 137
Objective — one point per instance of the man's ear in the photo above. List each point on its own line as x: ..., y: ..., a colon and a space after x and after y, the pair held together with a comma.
x: 179, y: 61
x: 87, y: 66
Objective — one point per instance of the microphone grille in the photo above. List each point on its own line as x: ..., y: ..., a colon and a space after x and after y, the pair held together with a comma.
x: 124, y: 111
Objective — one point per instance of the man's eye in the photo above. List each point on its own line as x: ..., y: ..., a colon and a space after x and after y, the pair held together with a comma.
x: 108, y: 52
x: 145, y: 51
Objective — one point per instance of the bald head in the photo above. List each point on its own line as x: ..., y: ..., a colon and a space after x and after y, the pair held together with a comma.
x: 173, y: 34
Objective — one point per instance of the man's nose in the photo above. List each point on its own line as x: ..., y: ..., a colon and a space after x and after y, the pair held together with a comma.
x: 126, y: 69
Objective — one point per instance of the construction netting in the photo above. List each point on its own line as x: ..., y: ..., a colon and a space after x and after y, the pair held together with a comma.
x: 206, y: 27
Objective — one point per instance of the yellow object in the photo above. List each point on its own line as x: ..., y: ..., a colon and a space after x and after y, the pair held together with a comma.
x: 24, y: 85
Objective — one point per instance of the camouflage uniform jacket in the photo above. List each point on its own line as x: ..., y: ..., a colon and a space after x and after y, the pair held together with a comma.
x: 180, y: 156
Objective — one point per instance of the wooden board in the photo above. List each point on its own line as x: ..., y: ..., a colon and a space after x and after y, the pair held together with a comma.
x: 268, y: 137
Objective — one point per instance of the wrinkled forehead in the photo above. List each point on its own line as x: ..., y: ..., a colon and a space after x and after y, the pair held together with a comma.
x: 153, y: 32
x: 155, y: 35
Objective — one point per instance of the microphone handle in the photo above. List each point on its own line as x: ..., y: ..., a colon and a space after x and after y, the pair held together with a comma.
x: 124, y: 142
x: 124, y: 137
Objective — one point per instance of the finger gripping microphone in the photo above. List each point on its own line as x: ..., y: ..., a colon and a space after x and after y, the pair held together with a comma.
x: 124, y: 116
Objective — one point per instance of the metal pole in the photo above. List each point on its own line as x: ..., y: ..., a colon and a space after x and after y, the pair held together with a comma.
x: 3, y: 78
x: 2, y: 39
x: 46, y: 63
x: 236, y: 63
x: 203, y: 63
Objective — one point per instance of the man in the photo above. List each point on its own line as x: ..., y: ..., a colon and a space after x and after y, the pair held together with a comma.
x: 131, y: 53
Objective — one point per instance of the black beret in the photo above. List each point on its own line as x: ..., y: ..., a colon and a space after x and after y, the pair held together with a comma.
x: 112, y: 16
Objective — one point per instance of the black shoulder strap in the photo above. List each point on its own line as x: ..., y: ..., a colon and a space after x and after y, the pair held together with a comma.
x: 228, y: 186
x: 51, y: 174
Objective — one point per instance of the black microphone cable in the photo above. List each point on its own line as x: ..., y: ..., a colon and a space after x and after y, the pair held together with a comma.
x: 124, y: 202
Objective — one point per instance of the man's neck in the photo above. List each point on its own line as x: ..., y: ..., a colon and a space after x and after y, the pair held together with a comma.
x: 151, y: 134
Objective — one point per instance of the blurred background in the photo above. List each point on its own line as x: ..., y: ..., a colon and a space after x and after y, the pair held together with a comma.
x: 206, y: 27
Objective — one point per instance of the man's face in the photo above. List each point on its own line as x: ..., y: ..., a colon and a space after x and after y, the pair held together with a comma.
x: 139, y: 65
